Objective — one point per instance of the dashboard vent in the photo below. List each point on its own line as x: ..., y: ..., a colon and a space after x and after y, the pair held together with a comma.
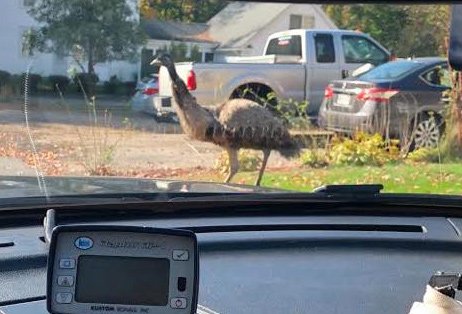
x: 308, y: 227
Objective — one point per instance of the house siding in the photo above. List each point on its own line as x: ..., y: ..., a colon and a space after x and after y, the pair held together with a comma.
x: 157, y: 44
x: 280, y: 23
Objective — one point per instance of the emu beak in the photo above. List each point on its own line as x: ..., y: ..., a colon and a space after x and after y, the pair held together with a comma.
x: 156, y: 61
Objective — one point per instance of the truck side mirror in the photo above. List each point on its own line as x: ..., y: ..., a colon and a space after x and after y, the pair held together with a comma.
x: 455, y: 38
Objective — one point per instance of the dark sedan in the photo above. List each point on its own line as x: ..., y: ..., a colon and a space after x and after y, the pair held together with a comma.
x: 400, y: 99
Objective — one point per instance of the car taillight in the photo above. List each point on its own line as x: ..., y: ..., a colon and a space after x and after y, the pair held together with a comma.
x: 328, y: 92
x: 376, y: 94
x: 191, y: 80
x: 150, y: 91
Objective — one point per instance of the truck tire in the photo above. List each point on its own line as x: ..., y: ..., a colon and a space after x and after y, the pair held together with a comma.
x: 257, y: 93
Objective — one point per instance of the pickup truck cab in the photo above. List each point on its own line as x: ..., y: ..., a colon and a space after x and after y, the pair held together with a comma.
x: 296, y: 64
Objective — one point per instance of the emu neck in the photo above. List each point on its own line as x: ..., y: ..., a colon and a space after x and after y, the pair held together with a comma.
x: 195, y: 120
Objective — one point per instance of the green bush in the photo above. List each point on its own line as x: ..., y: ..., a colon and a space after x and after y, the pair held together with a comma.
x: 293, y: 113
x: 58, y: 82
x: 431, y: 155
x: 86, y: 82
x: 5, y: 78
x: 314, y: 158
x: 248, y: 161
x: 112, y: 86
x: 363, y: 149
x: 33, y: 82
x: 130, y: 88
x: 17, y: 84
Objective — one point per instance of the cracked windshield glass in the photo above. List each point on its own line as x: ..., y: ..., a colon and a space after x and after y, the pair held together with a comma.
x: 278, y: 95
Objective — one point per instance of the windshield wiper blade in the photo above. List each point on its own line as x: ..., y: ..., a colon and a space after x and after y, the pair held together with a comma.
x: 346, y: 189
x: 330, y: 192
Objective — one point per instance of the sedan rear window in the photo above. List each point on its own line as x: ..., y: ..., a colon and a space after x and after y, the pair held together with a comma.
x: 391, y: 70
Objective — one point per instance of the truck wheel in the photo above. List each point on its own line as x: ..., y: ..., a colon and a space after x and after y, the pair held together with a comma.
x: 257, y: 93
x: 428, y: 131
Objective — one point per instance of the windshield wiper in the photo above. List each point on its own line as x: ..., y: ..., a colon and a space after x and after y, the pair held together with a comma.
x: 102, y: 198
x: 327, y: 191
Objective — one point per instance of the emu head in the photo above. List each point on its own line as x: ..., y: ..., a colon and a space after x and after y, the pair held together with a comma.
x: 163, y: 59
x: 180, y: 91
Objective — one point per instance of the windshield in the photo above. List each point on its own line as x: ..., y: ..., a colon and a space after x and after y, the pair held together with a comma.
x: 391, y: 70
x: 262, y: 95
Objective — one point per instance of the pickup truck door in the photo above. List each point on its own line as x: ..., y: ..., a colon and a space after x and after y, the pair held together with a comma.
x: 357, y: 50
x: 323, y: 66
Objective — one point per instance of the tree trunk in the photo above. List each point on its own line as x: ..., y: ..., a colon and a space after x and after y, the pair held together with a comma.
x: 90, y: 67
x: 90, y: 81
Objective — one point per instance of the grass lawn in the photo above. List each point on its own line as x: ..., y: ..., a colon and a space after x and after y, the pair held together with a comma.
x: 401, y: 178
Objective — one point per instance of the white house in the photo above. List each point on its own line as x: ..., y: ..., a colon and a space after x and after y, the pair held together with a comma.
x: 242, y: 28
x: 162, y: 34
x: 14, y: 20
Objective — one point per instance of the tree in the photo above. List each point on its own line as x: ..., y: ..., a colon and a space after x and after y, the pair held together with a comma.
x: 384, y: 22
x: 408, y: 30
x: 198, y: 11
x: 426, y: 31
x: 91, y: 31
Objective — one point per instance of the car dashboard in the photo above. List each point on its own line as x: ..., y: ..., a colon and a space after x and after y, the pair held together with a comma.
x: 275, y: 264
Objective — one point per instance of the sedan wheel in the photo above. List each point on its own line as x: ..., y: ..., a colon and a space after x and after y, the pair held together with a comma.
x: 427, y: 133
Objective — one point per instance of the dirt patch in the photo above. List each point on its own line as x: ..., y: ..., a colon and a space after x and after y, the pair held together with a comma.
x: 142, y: 147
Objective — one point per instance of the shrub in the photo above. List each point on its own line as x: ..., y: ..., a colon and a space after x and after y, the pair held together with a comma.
x: 17, y: 84
x: 5, y: 78
x: 112, y: 86
x: 59, y: 82
x: 248, y: 161
x: 33, y: 82
x: 86, y: 82
x: 315, y: 158
x: 432, y: 155
x: 130, y: 88
x: 363, y: 149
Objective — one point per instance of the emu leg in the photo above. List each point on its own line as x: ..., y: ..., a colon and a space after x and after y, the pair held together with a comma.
x: 233, y: 163
x: 266, y: 154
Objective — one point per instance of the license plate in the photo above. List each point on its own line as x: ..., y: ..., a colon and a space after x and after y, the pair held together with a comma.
x: 343, y: 100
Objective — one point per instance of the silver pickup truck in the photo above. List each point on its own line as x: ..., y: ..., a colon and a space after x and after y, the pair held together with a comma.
x: 296, y: 64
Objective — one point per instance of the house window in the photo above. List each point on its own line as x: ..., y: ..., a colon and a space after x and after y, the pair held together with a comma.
x: 208, y: 57
x: 295, y: 21
x: 308, y: 21
x: 325, y: 51
x: 301, y: 21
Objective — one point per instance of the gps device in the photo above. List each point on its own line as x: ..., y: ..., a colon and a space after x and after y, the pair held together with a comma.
x: 121, y: 269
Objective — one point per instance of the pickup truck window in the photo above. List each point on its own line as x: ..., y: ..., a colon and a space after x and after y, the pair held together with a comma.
x: 285, y: 45
x: 325, y: 51
x: 359, y: 49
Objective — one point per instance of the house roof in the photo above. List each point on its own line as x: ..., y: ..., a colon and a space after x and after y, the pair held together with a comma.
x: 238, y: 22
x: 172, y: 30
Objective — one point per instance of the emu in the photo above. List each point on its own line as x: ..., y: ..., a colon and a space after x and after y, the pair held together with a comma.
x: 235, y: 124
